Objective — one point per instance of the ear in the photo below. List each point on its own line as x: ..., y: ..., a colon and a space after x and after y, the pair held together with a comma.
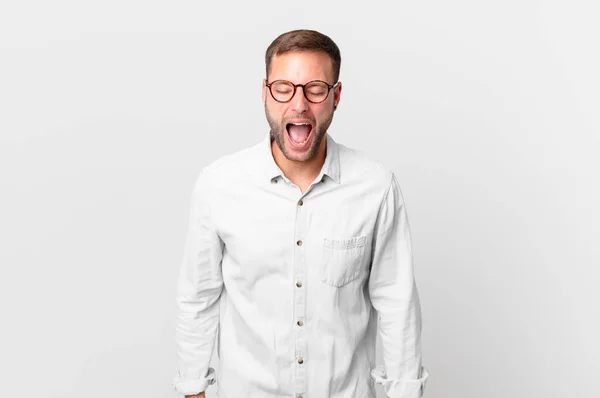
x: 264, y: 90
x: 337, y: 94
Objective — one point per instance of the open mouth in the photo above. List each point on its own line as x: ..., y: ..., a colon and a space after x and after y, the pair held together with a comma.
x: 299, y: 133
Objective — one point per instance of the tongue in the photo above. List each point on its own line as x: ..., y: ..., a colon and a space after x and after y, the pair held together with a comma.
x: 298, y: 133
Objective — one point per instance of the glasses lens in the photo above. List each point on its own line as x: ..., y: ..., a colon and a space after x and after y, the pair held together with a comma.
x: 316, y: 91
x: 282, y: 91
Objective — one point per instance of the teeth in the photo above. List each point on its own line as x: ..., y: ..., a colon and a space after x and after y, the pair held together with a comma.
x: 301, y: 124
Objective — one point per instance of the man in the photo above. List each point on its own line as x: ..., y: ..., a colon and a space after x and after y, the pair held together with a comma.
x: 298, y: 249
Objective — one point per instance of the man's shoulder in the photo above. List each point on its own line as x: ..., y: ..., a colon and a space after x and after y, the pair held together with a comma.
x: 361, y: 165
x: 226, y: 170
x: 231, y: 164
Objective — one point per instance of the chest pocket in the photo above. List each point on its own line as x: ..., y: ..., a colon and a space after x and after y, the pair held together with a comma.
x: 342, y: 260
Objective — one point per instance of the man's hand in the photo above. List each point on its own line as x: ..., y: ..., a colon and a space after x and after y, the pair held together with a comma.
x: 201, y: 395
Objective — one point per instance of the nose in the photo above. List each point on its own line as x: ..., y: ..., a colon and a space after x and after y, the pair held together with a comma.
x: 299, y: 103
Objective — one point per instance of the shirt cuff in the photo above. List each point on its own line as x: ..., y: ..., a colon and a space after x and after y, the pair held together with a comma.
x: 194, y: 386
x: 398, y: 388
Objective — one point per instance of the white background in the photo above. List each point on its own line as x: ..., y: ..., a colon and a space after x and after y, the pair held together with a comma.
x: 487, y: 112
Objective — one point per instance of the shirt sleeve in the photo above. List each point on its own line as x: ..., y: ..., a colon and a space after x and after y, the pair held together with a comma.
x: 198, y: 291
x: 394, y: 296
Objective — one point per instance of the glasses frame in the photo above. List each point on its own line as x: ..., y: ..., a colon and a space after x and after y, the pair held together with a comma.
x: 329, y: 86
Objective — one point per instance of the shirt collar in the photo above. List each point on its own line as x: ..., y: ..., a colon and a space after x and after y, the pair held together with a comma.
x: 331, y: 166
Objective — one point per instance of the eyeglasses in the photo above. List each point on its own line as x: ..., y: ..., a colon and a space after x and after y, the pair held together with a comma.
x: 315, y: 91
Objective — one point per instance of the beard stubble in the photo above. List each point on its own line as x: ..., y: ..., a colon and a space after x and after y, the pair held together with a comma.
x: 278, y: 132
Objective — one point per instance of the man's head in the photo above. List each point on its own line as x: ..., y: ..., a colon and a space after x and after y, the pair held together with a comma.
x: 300, y: 57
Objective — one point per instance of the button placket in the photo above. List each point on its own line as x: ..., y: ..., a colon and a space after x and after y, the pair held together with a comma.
x: 300, y: 343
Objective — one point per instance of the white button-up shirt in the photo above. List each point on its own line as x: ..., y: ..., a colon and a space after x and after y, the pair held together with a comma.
x: 292, y: 286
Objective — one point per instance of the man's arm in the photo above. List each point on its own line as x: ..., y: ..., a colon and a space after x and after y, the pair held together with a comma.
x: 394, y: 295
x: 199, y: 289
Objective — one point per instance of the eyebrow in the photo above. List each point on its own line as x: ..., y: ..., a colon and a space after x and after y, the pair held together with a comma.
x: 310, y: 81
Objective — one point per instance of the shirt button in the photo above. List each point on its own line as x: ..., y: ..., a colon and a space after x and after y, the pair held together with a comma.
x: 300, y: 323
x: 299, y: 284
x: 299, y: 243
x: 300, y: 361
x: 300, y: 202
x: 299, y: 396
x: 274, y: 181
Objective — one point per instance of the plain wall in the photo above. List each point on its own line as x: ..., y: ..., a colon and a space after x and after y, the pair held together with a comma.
x: 488, y: 113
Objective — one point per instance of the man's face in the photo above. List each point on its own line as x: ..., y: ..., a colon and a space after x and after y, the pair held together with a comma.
x: 299, y: 117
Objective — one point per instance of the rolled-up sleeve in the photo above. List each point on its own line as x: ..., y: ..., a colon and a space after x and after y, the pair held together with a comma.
x: 394, y: 296
x: 198, y: 291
